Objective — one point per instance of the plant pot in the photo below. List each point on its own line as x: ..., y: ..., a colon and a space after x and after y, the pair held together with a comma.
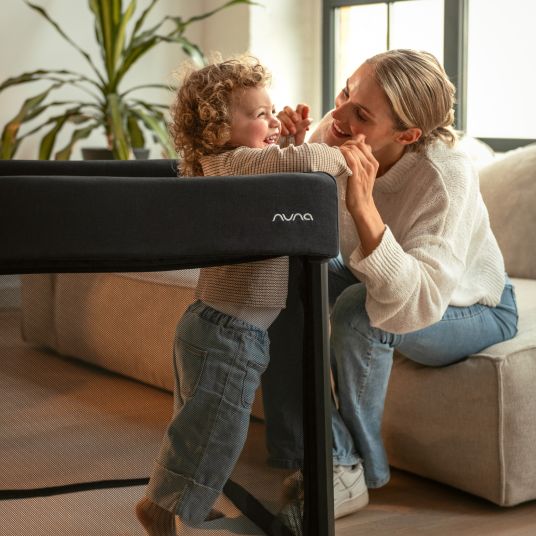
x: 99, y: 153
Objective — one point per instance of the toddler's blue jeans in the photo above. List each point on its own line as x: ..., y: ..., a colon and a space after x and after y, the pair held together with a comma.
x: 218, y: 362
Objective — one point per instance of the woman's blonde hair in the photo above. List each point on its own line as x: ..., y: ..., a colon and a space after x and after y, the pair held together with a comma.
x: 419, y: 92
x: 201, y: 113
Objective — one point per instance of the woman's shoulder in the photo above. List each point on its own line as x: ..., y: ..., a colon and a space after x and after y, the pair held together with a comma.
x: 449, y: 161
x: 453, y: 171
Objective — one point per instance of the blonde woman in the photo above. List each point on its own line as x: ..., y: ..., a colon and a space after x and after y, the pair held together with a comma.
x: 420, y: 269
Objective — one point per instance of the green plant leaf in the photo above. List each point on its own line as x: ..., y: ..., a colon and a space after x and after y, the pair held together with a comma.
x: 155, y: 123
x: 95, y: 8
x: 44, y: 14
x: 32, y: 76
x: 146, y: 34
x: 11, y: 129
x: 153, y: 106
x: 76, y: 119
x: 135, y: 133
x: 73, y: 115
x: 193, y: 51
x: 141, y: 20
x: 48, y: 140
x: 197, y: 18
x: 105, y: 22
x: 121, y: 148
x: 144, y: 86
x: 133, y: 54
x: 79, y: 134
x: 120, y: 34
x: 116, y: 7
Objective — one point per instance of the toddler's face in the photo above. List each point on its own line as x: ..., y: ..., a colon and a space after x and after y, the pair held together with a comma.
x: 253, y: 121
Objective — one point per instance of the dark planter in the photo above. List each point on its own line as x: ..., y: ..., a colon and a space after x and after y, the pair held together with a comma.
x: 98, y: 153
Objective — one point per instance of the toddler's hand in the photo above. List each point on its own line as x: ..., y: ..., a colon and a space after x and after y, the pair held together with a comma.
x: 295, y: 122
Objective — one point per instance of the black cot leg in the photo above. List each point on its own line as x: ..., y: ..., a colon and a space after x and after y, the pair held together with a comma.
x: 318, y: 460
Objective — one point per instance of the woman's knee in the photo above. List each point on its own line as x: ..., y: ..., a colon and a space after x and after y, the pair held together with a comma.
x: 349, y: 309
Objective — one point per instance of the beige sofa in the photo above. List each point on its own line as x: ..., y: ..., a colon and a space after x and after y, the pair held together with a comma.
x: 471, y: 425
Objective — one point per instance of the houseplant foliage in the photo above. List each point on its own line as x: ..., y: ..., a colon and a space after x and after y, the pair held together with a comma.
x: 124, y: 119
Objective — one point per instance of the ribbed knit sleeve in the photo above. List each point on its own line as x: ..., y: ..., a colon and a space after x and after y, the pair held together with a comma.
x: 274, y: 159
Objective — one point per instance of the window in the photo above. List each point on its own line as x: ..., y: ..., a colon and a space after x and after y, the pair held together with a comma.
x: 501, y: 69
x: 488, y: 60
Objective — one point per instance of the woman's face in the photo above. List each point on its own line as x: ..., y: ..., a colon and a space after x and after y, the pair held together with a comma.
x: 362, y: 108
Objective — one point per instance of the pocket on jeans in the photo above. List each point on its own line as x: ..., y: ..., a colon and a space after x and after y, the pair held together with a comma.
x: 190, y: 362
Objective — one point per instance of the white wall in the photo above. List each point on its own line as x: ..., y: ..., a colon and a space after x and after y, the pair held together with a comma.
x: 286, y: 36
x: 279, y: 33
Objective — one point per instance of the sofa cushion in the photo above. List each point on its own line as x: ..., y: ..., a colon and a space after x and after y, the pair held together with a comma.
x: 471, y: 425
x: 508, y: 187
x: 123, y: 324
x: 182, y: 278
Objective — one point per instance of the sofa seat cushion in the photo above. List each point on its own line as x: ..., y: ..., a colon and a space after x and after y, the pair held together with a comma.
x: 182, y: 278
x: 471, y: 425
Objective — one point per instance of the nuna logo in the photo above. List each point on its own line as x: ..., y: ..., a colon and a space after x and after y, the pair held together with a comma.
x: 295, y: 216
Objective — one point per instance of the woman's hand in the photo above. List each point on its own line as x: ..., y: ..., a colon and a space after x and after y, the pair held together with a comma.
x: 359, y: 200
x: 364, y: 166
x: 295, y: 122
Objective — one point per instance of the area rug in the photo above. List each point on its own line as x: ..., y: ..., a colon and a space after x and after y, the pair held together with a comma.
x: 65, y: 423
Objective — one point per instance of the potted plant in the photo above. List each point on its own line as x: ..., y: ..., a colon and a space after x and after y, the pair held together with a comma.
x: 124, y: 119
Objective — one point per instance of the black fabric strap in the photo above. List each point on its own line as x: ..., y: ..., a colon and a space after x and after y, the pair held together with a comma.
x: 10, y: 494
x: 241, y: 498
x: 254, y: 510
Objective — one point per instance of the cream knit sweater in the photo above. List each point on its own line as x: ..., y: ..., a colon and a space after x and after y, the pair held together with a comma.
x: 437, y: 249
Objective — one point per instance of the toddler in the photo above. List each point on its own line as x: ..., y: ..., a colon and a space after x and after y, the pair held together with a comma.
x: 223, y: 123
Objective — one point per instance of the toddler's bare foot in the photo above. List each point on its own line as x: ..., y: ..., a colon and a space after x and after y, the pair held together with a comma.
x: 156, y: 520
x: 160, y: 522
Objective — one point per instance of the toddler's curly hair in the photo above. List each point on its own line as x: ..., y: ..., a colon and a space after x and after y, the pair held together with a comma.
x: 201, y: 113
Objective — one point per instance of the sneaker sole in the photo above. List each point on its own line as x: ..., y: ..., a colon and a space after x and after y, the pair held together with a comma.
x: 352, y: 505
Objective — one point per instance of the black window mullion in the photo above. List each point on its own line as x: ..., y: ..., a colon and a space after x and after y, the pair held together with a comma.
x: 328, y: 56
x: 328, y: 42
x: 455, y: 54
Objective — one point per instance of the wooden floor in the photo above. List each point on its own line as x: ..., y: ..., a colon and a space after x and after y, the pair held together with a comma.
x: 408, y: 505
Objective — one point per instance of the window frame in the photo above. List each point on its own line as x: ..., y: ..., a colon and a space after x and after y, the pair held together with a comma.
x: 456, y: 24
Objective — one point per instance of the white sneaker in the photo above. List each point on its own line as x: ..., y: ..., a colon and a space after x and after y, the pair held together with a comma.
x: 349, y: 489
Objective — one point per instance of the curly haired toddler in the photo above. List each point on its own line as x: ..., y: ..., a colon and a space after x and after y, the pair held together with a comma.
x: 223, y: 123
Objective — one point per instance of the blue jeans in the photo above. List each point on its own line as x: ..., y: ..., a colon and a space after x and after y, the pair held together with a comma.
x: 218, y: 362
x: 361, y: 358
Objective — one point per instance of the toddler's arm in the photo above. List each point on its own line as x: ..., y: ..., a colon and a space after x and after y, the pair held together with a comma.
x: 273, y: 159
